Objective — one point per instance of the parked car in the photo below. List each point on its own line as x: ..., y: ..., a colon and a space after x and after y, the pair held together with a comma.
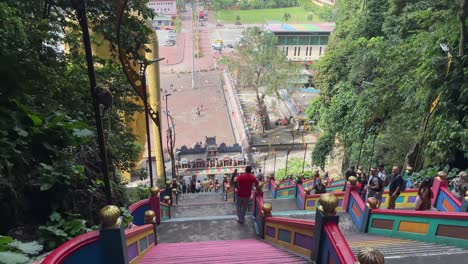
x: 167, y: 28
x: 219, y: 25
x: 230, y: 46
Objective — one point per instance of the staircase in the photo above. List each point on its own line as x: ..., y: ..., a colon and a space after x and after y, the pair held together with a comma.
x: 228, y: 251
x: 203, y: 228
x: 395, y: 250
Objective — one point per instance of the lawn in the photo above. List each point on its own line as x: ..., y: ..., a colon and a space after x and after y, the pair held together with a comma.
x: 260, y: 16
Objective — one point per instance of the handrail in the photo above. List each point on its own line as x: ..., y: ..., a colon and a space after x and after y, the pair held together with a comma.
x: 137, y: 205
x: 286, y: 187
x: 450, y: 195
x: 60, y: 254
x: 429, y: 214
x: 138, y: 230
x: 291, y: 222
x: 358, y: 200
x: 338, y: 243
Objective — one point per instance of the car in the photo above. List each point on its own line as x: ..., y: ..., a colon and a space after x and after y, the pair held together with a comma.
x: 230, y: 46
x: 171, y: 32
x: 169, y: 44
x: 167, y: 28
x: 219, y: 25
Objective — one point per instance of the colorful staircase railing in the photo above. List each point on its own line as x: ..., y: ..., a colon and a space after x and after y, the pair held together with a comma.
x: 111, y: 244
x: 304, y: 237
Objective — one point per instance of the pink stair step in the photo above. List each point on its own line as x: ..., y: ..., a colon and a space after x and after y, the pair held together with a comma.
x: 225, y: 251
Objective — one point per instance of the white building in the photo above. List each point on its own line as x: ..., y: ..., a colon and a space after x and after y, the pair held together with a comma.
x: 164, y: 7
x: 302, y: 42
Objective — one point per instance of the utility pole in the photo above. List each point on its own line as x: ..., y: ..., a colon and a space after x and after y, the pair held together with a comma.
x: 80, y: 7
x: 194, y: 16
x: 143, y: 66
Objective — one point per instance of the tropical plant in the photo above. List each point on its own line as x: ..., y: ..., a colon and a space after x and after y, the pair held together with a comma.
x: 295, y: 166
x: 16, y: 252
x: 62, y: 227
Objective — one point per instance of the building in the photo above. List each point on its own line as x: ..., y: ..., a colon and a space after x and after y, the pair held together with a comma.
x: 302, y: 42
x: 164, y: 7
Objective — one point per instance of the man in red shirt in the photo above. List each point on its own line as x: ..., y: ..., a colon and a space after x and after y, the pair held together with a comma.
x: 244, y: 183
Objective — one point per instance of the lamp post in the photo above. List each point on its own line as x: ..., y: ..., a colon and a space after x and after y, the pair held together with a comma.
x: 80, y: 7
x: 143, y: 66
x: 287, y: 157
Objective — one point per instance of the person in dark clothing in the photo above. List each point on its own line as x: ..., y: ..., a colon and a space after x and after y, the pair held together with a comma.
x: 233, y: 176
x: 192, y: 186
x: 184, y: 187
x: 319, y: 187
x: 395, y: 187
x: 348, y: 173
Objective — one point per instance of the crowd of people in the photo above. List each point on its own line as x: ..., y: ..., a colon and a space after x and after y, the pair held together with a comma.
x: 377, y: 181
x: 197, y: 186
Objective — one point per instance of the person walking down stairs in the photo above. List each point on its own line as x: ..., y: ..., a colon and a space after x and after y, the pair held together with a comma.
x: 244, y: 183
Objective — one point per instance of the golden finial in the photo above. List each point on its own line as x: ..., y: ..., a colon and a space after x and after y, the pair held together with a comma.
x: 174, y: 190
x: 466, y: 195
x: 168, y: 183
x: 149, y: 216
x: 352, y: 180
x: 167, y: 199
x: 110, y: 216
x: 154, y: 191
x: 442, y: 175
x: 266, y: 208
x: 260, y: 186
x: 308, y: 190
x: 372, y: 202
x: 328, y: 203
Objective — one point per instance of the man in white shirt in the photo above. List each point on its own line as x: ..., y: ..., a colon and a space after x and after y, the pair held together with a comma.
x: 381, y: 175
x: 198, y: 186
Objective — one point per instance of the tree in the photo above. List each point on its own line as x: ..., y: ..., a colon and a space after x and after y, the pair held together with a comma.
x: 384, y: 104
x: 263, y: 67
x: 48, y: 153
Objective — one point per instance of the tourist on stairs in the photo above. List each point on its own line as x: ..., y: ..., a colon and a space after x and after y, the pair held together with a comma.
x: 375, y: 187
x: 396, y: 185
x: 244, y: 183
x: 320, y: 187
x: 423, y: 200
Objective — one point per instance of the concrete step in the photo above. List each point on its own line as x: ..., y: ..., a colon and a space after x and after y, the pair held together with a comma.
x: 205, y: 229
x: 404, y: 251
x: 204, y: 209
x: 280, y: 205
x: 200, y: 198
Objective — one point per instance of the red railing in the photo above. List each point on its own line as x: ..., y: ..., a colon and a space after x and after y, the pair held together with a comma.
x: 339, y: 244
x: 72, y: 246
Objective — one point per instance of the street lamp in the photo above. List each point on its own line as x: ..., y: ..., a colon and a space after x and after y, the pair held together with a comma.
x: 80, y: 7
x: 143, y: 66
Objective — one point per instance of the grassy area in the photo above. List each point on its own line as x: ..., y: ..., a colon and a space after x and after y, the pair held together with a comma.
x: 260, y: 16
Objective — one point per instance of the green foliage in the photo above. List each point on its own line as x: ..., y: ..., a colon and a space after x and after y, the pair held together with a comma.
x: 255, y: 16
x: 431, y: 172
x: 16, y: 252
x: 325, y: 12
x: 127, y: 217
x: 61, y: 228
x: 294, y: 168
x: 382, y: 69
x: 322, y: 149
x: 49, y: 158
